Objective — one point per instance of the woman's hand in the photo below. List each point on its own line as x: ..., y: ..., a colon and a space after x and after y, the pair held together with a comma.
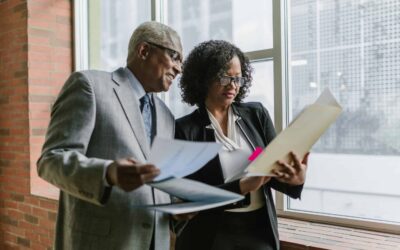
x: 293, y: 174
x: 253, y: 183
x: 182, y: 217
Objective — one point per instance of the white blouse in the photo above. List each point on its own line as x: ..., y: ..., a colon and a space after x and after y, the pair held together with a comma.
x: 235, y: 150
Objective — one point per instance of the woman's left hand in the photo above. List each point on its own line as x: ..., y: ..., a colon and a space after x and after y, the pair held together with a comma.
x: 293, y: 174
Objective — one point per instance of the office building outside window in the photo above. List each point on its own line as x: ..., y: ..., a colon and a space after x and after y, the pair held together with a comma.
x: 351, y: 47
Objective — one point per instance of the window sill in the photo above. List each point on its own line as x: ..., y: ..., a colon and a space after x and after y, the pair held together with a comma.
x: 298, y: 235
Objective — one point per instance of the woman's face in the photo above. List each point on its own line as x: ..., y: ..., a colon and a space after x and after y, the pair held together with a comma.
x: 219, y: 95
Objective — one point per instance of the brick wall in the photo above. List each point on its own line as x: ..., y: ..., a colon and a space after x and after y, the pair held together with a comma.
x: 35, y: 59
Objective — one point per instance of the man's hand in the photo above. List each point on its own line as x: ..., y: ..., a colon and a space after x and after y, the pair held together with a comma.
x: 293, y: 174
x: 253, y: 183
x: 129, y: 175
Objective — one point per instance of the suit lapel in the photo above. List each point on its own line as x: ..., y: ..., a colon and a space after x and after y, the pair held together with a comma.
x: 252, y: 135
x: 131, y: 107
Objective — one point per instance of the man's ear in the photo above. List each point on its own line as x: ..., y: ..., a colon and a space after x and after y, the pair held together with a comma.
x: 143, y: 50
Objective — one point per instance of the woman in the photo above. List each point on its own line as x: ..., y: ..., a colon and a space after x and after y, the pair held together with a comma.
x: 216, y: 77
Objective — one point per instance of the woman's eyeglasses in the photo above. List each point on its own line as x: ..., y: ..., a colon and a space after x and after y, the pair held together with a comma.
x: 237, y: 80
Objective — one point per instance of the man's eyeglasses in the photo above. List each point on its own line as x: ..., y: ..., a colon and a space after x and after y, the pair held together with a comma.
x: 174, y: 55
x: 237, y: 80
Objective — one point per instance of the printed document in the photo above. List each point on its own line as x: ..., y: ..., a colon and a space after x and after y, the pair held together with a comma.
x: 178, y: 158
x: 300, y: 135
x: 195, y: 196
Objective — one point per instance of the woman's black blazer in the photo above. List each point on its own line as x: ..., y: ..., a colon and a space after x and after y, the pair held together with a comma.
x: 255, y: 122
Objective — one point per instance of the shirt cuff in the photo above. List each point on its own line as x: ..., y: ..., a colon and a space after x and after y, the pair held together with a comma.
x: 106, y: 164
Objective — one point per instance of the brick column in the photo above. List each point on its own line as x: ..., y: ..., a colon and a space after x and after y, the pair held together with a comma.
x: 35, y: 59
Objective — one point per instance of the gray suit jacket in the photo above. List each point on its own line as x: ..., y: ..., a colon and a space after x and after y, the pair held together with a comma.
x: 95, y: 119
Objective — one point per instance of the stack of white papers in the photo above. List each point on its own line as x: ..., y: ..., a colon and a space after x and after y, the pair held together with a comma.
x: 196, y: 196
x: 177, y: 159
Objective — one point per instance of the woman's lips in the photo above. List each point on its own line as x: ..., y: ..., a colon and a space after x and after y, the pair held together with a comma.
x: 229, y: 95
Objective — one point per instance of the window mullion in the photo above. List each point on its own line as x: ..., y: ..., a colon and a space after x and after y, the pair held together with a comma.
x: 280, y: 38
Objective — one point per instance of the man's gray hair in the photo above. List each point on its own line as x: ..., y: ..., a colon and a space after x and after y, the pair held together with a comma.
x: 154, y: 32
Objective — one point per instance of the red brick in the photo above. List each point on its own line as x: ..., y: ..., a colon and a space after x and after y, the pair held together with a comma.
x: 41, y: 213
x: 27, y: 209
x: 23, y: 242
x: 17, y: 197
x: 15, y: 214
x: 27, y: 225
x: 38, y: 246
x: 50, y: 205
x: 32, y: 235
x: 39, y: 40
x: 9, y: 237
x: 39, y: 74
x: 45, y: 223
x: 39, y: 23
x: 39, y: 48
x: 31, y: 200
x: 14, y: 230
x: 45, y: 240
x: 63, y: 12
x: 37, y: 13
x: 11, y: 204
x: 37, y: 140
x: 43, y: 231
x: 39, y: 56
x: 47, y: 18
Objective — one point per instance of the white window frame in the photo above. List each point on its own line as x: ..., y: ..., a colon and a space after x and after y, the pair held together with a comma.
x: 279, y: 55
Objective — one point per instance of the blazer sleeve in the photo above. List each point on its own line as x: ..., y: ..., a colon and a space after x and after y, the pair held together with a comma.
x: 63, y: 162
x: 269, y: 134
x: 233, y: 186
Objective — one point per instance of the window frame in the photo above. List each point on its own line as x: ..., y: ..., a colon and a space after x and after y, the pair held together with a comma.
x: 279, y: 55
x: 281, y: 31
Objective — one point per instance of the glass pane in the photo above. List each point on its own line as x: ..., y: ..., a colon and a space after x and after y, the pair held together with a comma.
x: 111, y: 24
x: 248, y: 24
x: 174, y: 101
x: 352, y: 47
x: 262, y: 89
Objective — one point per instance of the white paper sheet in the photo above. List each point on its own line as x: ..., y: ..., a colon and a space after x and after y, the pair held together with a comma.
x: 299, y: 136
x: 178, y: 158
x: 197, y: 196
x: 236, y: 170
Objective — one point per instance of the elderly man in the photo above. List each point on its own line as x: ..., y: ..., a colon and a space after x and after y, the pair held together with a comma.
x: 99, y: 136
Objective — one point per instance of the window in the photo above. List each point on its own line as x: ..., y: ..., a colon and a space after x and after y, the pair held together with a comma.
x: 352, y: 48
x: 297, y: 48
x: 110, y: 27
x: 247, y: 24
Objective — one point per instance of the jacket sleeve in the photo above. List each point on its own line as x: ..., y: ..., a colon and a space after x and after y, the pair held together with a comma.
x: 233, y: 186
x: 63, y: 162
x: 269, y: 134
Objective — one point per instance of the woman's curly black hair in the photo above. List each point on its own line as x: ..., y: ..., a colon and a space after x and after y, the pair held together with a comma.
x: 206, y: 63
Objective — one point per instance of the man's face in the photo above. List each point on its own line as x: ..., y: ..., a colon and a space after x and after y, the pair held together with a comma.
x: 161, y: 66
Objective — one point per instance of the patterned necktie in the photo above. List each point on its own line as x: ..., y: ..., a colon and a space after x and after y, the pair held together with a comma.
x: 145, y: 108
